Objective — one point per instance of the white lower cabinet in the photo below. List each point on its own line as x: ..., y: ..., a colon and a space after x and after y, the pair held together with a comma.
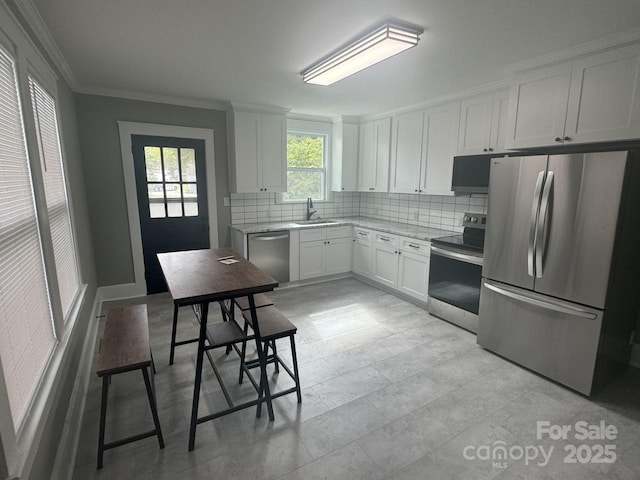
x: 325, y: 251
x: 413, y: 268
x: 362, y: 248
x: 401, y: 263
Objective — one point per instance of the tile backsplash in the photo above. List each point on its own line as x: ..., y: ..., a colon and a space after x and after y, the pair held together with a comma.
x: 424, y: 210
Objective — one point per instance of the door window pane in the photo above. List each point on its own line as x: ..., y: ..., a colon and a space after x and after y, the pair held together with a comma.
x: 156, y: 200
x: 190, y: 195
x: 174, y: 208
x: 171, y: 167
x: 153, y: 164
x: 188, y: 164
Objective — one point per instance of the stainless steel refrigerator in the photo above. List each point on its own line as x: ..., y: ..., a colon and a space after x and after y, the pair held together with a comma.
x: 560, y: 277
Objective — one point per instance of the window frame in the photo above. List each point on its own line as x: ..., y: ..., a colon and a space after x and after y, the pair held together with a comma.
x: 314, y: 128
x: 18, y: 446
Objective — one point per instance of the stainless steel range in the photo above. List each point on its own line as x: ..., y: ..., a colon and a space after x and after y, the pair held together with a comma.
x: 455, y: 274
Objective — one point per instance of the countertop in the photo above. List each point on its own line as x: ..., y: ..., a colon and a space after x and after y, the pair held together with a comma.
x: 404, y: 229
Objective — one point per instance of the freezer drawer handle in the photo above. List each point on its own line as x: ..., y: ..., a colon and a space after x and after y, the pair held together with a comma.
x: 457, y: 256
x: 272, y: 237
x: 576, y: 312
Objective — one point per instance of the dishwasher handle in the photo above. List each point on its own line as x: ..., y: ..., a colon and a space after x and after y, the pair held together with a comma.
x: 266, y: 238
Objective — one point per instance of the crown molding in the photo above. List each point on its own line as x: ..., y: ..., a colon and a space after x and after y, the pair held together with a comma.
x: 43, y: 35
x: 606, y: 43
x: 153, y: 97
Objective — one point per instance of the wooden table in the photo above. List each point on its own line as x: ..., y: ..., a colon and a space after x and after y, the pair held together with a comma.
x: 196, y: 278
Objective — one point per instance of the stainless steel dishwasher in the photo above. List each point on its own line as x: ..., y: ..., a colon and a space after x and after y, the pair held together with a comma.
x: 270, y: 252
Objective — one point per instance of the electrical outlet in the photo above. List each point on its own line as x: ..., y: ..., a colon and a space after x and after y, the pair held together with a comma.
x: 226, y: 201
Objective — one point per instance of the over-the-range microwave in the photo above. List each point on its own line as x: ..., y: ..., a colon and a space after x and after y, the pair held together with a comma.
x: 471, y: 173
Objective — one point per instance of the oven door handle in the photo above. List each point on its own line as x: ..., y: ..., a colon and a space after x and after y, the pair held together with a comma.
x: 457, y: 256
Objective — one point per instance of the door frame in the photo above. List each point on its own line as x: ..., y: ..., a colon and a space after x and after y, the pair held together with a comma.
x: 127, y: 129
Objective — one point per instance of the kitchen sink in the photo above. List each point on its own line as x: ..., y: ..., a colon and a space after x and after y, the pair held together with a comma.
x: 316, y: 221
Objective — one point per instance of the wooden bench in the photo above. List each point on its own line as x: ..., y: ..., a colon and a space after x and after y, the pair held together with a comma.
x: 125, y: 347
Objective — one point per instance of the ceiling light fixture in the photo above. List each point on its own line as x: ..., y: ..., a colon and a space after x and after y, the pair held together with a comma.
x: 379, y: 43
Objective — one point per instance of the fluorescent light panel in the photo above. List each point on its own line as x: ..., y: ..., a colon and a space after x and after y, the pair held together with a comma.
x: 378, y: 44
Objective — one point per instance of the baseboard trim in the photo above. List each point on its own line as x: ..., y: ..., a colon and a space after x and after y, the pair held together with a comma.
x: 634, y: 361
x: 70, y: 436
x: 120, y: 292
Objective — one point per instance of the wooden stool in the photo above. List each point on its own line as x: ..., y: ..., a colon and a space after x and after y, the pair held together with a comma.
x: 274, y: 325
x: 125, y: 347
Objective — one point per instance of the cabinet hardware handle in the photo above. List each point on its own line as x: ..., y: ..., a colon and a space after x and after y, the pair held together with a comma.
x: 485, y: 149
x: 414, y: 246
x: 385, y: 239
x: 558, y: 139
x: 371, y: 188
x: 567, y: 139
x: 490, y: 149
x: 416, y: 190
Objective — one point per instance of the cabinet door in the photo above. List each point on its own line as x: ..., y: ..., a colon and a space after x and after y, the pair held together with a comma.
x: 338, y: 255
x: 366, y: 157
x: 604, y: 103
x: 362, y: 256
x: 312, y: 259
x: 441, y: 124
x: 248, y: 177
x: 499, y: 116
x: 382, y: 152
x: 274, y: 148
x: 475, y: 125
x: 538, y: 106
x: 385, y: 265
x: 406, y: 152
x: 344, y: 157
x: 413, y: 274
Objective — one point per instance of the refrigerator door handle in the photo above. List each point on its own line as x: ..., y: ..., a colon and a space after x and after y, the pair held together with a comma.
x: 535, y: 210
x: 541, y: 235
x: 576, y: 312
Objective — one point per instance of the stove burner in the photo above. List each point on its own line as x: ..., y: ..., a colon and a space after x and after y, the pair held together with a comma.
x: 472, y: 237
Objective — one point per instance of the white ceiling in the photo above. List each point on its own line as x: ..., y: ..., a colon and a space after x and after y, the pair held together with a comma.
x: 252, y: 51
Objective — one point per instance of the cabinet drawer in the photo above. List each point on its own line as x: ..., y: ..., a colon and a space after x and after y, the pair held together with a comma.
x: 338, y: 232
x: 419, y: 247
x: 385, y: 239
x: 312, y: 234
x: 362, y: 234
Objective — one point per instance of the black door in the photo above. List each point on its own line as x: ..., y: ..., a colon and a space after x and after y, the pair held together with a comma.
x: 172, y: 199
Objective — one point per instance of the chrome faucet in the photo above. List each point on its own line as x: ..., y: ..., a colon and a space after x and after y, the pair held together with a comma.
x: 309, y: 207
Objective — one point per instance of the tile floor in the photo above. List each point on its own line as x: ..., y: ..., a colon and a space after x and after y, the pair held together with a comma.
x: 389, y: 392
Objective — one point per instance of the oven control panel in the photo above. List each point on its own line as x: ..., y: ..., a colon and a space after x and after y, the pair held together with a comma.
x: 474, y: 220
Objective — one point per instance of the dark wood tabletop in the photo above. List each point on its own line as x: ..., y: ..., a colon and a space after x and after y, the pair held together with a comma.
x: 197, y: 276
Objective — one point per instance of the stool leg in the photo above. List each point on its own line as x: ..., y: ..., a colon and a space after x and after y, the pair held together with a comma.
x: 295, y: 367
x: 243, y: 352
x: 275, y: 356
x: 103, y: 417
x: 173, y: 333
x: 152, y: 404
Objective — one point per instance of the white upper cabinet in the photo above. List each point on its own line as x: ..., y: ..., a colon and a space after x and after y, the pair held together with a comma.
x: 406, y: 152
x: 257, y: 150
x: 604, y: 97
x: 483, y: 123
x: 344, y: 156
x: 373, y: 155
x: 423, y: 146
x: 594, y: 98
x: 440, y: 144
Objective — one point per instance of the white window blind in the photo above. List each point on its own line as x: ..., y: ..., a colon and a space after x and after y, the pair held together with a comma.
x: 44, y: 112
x: 27, y: 335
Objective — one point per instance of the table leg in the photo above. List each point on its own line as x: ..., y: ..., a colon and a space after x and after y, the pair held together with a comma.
x: 103, y: 417
x: 173, y: 334
x: 196, y: 387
